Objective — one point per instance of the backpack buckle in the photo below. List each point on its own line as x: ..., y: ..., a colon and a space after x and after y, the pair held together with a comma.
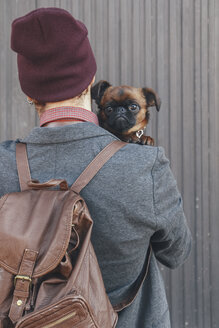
x: 22, y: 278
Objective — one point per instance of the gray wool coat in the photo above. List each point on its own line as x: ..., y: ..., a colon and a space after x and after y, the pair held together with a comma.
x: 133, y: 200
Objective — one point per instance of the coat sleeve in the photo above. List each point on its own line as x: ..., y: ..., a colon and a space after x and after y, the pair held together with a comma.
x: 172, y: 239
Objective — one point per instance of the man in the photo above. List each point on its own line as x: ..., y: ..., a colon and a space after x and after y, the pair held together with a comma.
x: 133, y: 200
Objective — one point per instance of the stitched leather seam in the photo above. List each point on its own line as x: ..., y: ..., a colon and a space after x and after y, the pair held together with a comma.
x: 3, y: 200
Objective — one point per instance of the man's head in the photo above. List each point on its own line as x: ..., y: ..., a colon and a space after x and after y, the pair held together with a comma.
x: 55, y: 59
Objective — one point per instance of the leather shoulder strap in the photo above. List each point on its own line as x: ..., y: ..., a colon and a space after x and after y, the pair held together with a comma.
x: 134, y: 289
x: 22, y: 166
x: 96, y: 164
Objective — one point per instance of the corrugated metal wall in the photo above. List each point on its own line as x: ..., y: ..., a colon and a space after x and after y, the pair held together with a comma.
x: 172, y: 46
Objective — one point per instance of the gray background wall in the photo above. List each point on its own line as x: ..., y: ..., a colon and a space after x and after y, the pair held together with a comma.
x: 173, y: 47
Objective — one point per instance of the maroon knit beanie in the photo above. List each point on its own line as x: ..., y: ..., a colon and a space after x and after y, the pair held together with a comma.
x: 55, y: 59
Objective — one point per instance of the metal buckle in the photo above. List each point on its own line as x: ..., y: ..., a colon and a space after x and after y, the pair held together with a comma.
x: 22, y: 278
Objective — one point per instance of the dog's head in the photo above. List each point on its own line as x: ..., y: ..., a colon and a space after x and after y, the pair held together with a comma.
x: 123, y: 109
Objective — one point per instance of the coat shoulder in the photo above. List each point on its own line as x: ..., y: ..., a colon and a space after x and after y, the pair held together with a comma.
x: 8, y: 170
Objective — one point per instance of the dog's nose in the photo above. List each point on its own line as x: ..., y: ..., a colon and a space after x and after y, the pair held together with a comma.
x: 120, y: 110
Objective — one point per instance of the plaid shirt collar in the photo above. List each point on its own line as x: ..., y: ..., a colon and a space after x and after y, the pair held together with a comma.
x: 68, y: 112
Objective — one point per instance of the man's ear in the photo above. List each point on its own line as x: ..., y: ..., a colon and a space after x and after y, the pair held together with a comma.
x: 152, y: 98
x: 97, y: 91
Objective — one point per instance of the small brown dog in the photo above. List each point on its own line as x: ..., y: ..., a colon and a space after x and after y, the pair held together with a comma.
x: 123, y: 110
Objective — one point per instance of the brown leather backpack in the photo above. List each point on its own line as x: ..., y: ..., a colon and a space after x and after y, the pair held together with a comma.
x: 49, y: 274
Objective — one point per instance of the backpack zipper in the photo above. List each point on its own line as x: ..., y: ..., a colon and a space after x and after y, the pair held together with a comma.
x: 66, y: 317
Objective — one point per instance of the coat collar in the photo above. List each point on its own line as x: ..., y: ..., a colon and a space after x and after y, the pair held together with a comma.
x: 68, y: 112
x: 68, y: 133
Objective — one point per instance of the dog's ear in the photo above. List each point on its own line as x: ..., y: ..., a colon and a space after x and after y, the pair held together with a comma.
x: 152, y: 98
x: 97, y: 91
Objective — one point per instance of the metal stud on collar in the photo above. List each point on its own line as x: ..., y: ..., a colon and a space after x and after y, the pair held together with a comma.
x: 139, y: 133
x: 30, y: 101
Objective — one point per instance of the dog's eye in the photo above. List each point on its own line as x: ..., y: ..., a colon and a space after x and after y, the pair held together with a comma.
x: 108, y: 110
x: 133, y: 107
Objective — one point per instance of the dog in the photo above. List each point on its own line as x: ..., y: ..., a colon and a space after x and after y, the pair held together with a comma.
x: 123, y: 110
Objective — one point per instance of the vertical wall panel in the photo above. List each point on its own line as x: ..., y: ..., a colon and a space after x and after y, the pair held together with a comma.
x: 113, y: 43
x: 175, y: 142
x: 126, y: 32
x: 173, y: 47
x: 214, y: 156
x: 198, y: 169
x: 188, y: 150
x: 146, y: 41
x: 137, y: 65
x: 205, y: 159
x: 4, y: 36
x: 146, y: 68
x: 162, y: 45
x: 16, y: 119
